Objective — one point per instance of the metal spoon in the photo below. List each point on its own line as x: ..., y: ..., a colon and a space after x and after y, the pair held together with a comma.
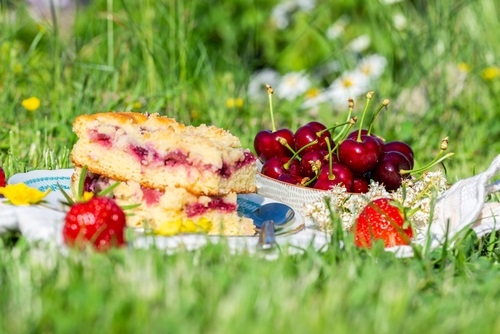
x: 279, y: 213
x: 267, y: 239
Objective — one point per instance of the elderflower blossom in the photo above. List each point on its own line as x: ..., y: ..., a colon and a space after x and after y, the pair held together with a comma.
x: 21, y: 195
x: 31, y: 104
x: 417, y: 197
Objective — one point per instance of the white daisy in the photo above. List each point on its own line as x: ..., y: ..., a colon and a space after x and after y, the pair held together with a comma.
x: 359, y: 44
x: 292, y: 85
x: 399, y: 21
x: 372, y: 66
x: 337, y: 28
x: 312, y: 102
x: 256, y: 90
x: 282, y: 12
x: 349, y: 85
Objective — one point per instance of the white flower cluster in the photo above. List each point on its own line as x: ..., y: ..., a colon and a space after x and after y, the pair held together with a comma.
x: 416, y: 195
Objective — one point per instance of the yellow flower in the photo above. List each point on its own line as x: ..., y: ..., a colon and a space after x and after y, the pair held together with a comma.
x: 169, y: 227
x: 31, y: 104
x: 491, y: 73
x: 173, y: 227
x: 234, y: 102
x: 137, y: 105
x: 87, y: 196
x: 463, y: 67
x: 203, y: 225
x: 21, y: 194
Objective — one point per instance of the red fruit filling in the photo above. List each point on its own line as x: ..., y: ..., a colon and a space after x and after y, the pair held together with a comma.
x: 175, y: 158
x: 100, y: 138
x: 198, y: 209
x: 151, y: 196
x: 95, y: 183
x: 226, y: 171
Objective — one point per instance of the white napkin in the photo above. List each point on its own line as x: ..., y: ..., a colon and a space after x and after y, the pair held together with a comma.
x: 464, y: 206
x: 42, y: 224
x: 36, y: 223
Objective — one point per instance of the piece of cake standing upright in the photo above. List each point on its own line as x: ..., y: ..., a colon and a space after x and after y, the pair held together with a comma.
x: 161, y: 161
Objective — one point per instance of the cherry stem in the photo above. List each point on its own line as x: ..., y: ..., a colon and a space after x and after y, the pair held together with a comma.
x: 345, y: 130
x: 348, y: 119
x: 439, y: 158
x: 270, y: 92
x: 284, y: 142
x: 369, y: 96
x: 384, y: 104
x: 330, y: 160
x: 310, y: 181
x: 319, y: 133
x: 296, y: 154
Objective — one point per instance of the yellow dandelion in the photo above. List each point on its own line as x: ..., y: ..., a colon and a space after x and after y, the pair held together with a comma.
x: 234, y: 102
x: 195, y: 114
x: 20, y: 194
x: 463, y: 67
x: 491, y: 73
x: 31, y: 104
x: 137, y: 105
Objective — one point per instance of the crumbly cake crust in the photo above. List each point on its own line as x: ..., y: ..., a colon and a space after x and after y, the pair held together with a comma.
x: 174, y: 210
x: 158, y: 152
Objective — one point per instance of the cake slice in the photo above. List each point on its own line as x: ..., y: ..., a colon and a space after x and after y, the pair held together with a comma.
x: 172, y: 210
x: 159, y: 153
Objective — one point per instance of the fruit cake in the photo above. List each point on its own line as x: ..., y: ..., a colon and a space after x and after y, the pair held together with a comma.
x: 159, y: 153
x: 172, y: 210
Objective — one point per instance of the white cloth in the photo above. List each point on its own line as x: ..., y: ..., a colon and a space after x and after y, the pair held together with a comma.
x: 42, y: 224
x: 461, y: 207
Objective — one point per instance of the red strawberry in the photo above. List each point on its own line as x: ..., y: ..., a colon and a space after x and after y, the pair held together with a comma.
x: 380, y: 220
x: 2, y: 178
x: 100, y: 222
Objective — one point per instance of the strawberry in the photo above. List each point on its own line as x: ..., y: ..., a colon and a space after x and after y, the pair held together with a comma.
x: 2, y: 178
x: 100, y: 222
x: 381, y: 220
x: 93, y: 218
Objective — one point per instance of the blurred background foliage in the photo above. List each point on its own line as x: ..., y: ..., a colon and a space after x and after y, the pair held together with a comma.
x: 192, y: 59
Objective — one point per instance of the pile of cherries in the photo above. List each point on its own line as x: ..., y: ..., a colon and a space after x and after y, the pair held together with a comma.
x: 313, y: 157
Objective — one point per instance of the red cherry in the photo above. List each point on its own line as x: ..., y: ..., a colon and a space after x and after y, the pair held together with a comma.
x: 309, y: 133
x: 360, y: 156
x: 360, y: 184
x: 341, y: 175
x: 387, y: 171
x: 277, y: 166
x: 289, y: 178
x: 3, y: 182
x: 312, y: 159
x: 402, y: 148
x: 267, y: 144
x: 354, y: 134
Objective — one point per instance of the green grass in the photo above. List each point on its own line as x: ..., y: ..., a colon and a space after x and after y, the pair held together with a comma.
x: 184, y: 59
